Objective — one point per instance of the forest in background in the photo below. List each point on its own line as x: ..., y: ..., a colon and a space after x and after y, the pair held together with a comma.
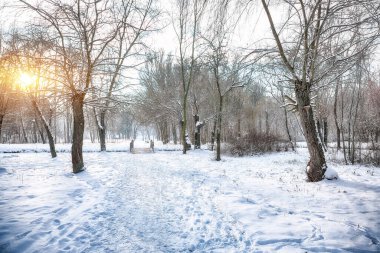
x: 66, y: 76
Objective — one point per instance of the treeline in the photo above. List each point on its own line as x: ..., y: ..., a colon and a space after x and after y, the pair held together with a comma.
x: 65, y: 76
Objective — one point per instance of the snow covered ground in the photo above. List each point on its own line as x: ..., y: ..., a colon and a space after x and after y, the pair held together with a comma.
x: 169, y: 202
x: 122, y: 146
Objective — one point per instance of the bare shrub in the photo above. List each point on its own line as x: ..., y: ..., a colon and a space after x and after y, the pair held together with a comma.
x: 254, y: 143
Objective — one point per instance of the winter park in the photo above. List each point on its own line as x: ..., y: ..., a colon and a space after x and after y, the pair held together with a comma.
x: 189, y: 126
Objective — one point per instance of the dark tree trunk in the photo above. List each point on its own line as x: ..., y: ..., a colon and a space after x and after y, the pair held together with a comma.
x: 287, y: 122
x: 213, y: 135
x: 325, y: 132
x: 183, y: 125
x: 197, y: 135
x: 319, y: 130
x: 101, y: 126
x: 336, y: 116
x: 68, y: 126
x: 239, y: 128
x: 174, y: 131
x: 1, y: 125
x: 40, y: 131
x: 23, y: 131
x: 287, y: 129
x: 165, y: 133
x: 78, y: 130
x: 266, y: 123
x: 47, y: 129
x: 317, y: 164
x: 219, y: 128
x: 35, y: 136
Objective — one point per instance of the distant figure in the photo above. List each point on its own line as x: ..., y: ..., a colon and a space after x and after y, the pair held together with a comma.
x: 152, y: 145
x: 131, y: 145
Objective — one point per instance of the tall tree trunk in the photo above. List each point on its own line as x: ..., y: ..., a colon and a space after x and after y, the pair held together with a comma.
x: 68, y: 126
x: 287, y: 121
x: 47, y: 129
x: 174, y: 131
x: 183, y: 125
x: 197, y: 135
x: 23, y: 131
x: 213, y: 134
x: 219, y: 128
x: 101, y: 127
x: 336, y: 115
x: 1, y: 125
x: 287, y: 129
x: 317, y: 164
x: 266, y: 123
x: 325, y: 132
x: 78, y: 130
x: 319, y: 130
x: 40, y: 131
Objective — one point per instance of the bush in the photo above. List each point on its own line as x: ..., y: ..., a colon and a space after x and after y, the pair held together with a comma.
x: 254, y: 143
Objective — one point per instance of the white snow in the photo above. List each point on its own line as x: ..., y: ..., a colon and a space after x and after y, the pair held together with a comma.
x: 122, y: 146
x: 199, y: 123
x: 169, y: 202
x: 331, y: 174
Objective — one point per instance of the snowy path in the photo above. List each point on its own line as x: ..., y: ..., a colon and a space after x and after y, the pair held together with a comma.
x: 123, y: 206
x: 167, y: 202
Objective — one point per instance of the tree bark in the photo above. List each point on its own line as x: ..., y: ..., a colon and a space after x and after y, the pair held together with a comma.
x: 336, y: 116
x: 197, y: 135
x: 183, y: 124
x: 287, y: 129
x: 40, y: 131
x: 266, y: 123
x: 1, y: 125
x: 23, y: 131
x: 174, y: 132
x: 287, y: 122
x: 47, y: 129
x: 68, y: 126
x: 78, y: 130
x: 325, y: 132
x: 317, y: 164
x: 213, y: 134
x: 319, y: 130
x: 101, y: 126
x: 219, y: 128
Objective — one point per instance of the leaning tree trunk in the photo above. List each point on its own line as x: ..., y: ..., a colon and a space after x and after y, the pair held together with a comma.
x: 317, y: 164
x: 47, y: 129
x: 40, y: 131
x: 78, y: 130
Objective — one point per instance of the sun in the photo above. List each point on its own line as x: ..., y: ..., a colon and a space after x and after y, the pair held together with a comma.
x: 26, y: 80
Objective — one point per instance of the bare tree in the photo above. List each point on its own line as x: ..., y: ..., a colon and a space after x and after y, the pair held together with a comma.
x: 136, y: 20
x: 189, y: 18
x: 227, y: 76
x: 315, y: 23
x: 82, y: 31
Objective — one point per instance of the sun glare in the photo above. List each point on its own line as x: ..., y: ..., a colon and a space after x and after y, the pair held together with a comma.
x: 26, y: 80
